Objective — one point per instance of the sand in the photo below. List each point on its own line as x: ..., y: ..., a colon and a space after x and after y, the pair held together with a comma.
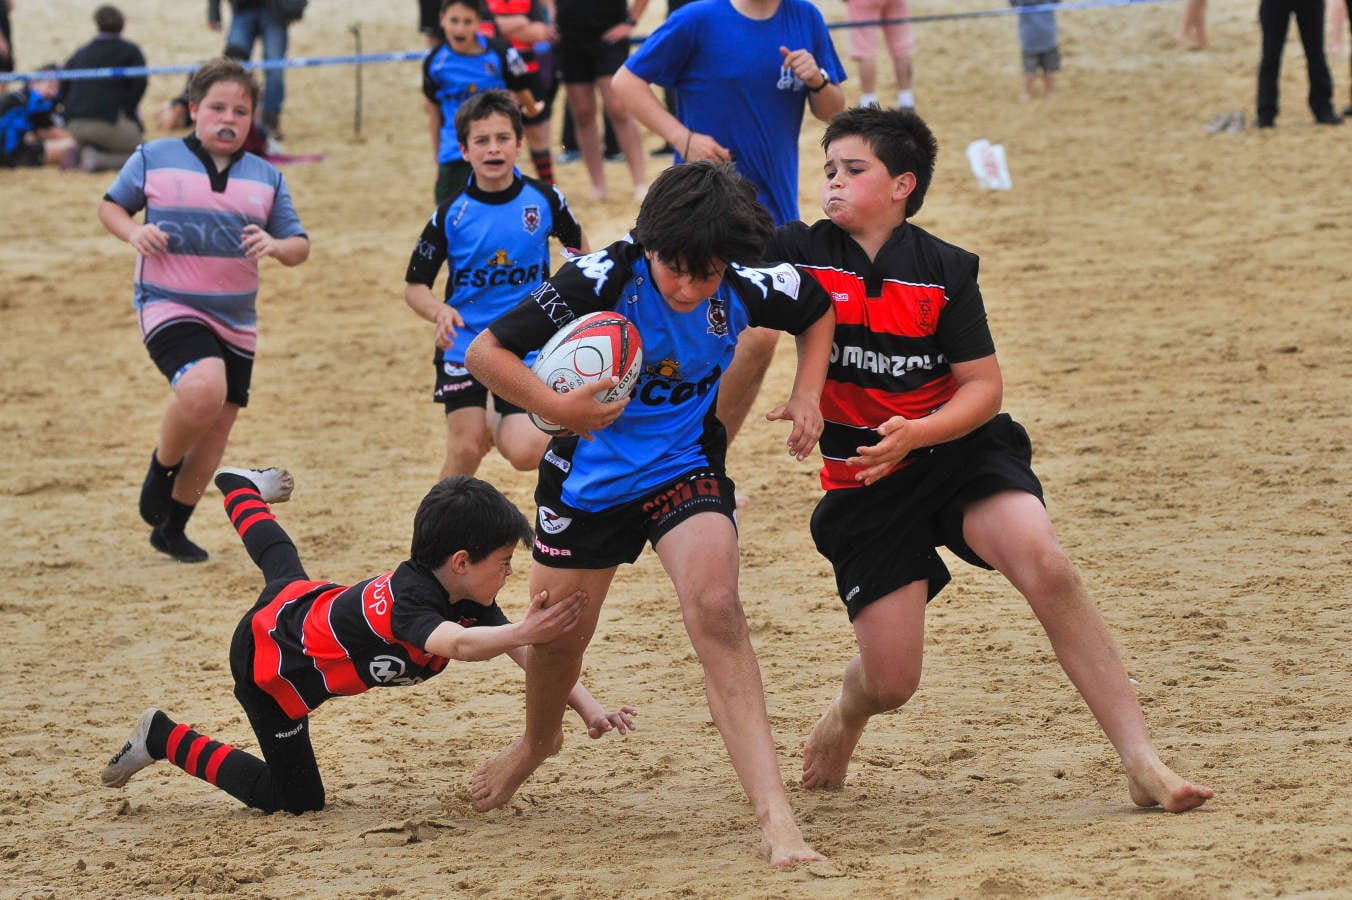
x: 1170, y: 309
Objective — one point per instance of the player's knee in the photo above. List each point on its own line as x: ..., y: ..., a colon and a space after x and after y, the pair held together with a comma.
x: 201, y: 399
x: 893, y: 691
x: 716, y: 615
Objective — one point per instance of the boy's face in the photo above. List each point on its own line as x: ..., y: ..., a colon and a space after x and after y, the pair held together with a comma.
x: 223, y: 118
x: 858, y: 192
x: 481, y: 581
x: 682, y: 290
x: 491, y: 149
x: 460, y: 23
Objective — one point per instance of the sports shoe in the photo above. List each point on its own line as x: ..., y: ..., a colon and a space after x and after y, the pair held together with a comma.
x: 568, y: 156
x: 273, y: 483
x: 869, y: 101
x: 1328, y: 118
x: 134, y: 755
x: 177, y: 545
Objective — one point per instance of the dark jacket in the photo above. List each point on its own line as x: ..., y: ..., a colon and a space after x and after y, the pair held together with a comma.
x: 104, y: 98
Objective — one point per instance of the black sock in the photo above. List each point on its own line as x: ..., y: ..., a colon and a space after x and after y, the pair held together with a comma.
x: 157, y: 489
x: 267, y: 543
x: 176, y: 517
x: 168, y: 536
x: 242, y: 775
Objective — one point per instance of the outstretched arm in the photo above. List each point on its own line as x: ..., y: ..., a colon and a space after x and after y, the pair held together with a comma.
x: 642, y: 103
x: 544, y: 621
x: 803, y: 407
x: 598, y: 720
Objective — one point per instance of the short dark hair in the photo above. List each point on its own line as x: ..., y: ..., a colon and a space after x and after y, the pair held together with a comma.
x: 898, y: 137
x: 109, y: 19
x: 698, y: 216
x: 465, y: 513
x: 214, y: 71
x: 479, y: 9
x: 482, y: 105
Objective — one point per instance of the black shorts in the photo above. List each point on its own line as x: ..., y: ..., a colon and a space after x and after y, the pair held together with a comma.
x: 586, y: 61
x: 429, y: 18
x: 451, y: 175
x: 569, y: 538
x: 881, y: 537
x: 457, y: 389
x: 176, y: 347
x: 25, y: 155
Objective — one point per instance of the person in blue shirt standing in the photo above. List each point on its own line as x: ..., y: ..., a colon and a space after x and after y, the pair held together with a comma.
x: 1039, y: 46
x: 743, y: 72
x: 465, y: 63
x: 650, y: 468
x: 493, y: 235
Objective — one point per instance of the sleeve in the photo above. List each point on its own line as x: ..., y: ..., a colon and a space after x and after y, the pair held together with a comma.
x: 662, y: 57
x: 429, y: 253
x: 430, y: 88
x: 788, y: 244
x: 283, y: 220
x: 472, y: 615
x: 566, y: 226
x: 582, y: 285
x: 780, y: 297
x: 128, y: 190
x: 964, y: 332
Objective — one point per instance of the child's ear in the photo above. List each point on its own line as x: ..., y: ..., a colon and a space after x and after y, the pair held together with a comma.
x: 459, y: 562
x: 903, y: 185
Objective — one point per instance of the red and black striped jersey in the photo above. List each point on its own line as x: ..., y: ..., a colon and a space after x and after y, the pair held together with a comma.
x: 317, y: 640
x: 901, y: 320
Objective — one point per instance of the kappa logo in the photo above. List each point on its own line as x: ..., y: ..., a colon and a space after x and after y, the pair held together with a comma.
x: 387, y: 669
x: 282, y: 734
x: 551, y: 522
x: 595, y: 266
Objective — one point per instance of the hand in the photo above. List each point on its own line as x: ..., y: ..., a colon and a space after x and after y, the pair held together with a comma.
x: 803, y: 64
x: 581, y: 411
x: 547, y: 619
x: 703, y: 146
x: 616, y: 33
x: 882, y: 457
x: 806, y: 416
x: 257, y: 243
x: 448, y: 320
x: 621, y: 720
x: 148, y: 240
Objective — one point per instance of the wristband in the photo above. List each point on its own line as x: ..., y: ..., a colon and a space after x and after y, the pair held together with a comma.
x: 826, y: 79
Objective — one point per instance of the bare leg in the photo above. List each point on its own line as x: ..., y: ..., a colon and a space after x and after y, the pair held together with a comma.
x: 1012, y: 532
x: 551, y: 671
x: 742, y: 381
x: 891, y: 636
x: 629, y: 136
x: 467, y: 441
x: 204, y: 457
x: 700, y: 556
x: 519, y: 441
x: 582, y: 101
x: 868, y: 75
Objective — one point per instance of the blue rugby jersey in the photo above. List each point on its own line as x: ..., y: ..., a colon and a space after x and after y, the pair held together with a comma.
x: 496, y: 245
x: 450, y: 78
x: 669, y: 427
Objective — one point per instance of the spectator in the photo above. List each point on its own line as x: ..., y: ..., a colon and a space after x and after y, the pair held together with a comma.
x: 266, y: 20
x: 6, y: 39
x: 1038, y: 46
x: 900, y: 46
x: 30, y: 131
x: 1275, y: 18
x: 102, y: 113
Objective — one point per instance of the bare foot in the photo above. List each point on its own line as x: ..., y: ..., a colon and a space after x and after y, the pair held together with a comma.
x: 497, y: 778
x: 1164, y: 788
x: 826, y: 755
x: 783, y: 845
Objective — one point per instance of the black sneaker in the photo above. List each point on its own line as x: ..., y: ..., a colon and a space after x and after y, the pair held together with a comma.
x: 1328, y: 118
x: 1264, y: 123
x: 178, y: 546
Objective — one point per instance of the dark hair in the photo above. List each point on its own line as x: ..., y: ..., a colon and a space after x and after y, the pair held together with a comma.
x: 484, y: 104
x: 698, y: 216
x: 465, y: 513
x: 898, y: 137
x: 109, y: 19
x: 214, y: 71
x: 479, y: 9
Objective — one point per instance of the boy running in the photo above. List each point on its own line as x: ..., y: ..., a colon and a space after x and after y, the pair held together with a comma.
x: 915, y: 454
x: 493, y: 235
x: 650, y: 468
x: 306, y: 641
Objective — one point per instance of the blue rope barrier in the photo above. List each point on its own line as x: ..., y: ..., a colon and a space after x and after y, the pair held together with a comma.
x: 411, y: 55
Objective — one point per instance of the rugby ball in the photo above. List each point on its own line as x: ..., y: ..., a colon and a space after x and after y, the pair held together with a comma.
x: 586, y: 350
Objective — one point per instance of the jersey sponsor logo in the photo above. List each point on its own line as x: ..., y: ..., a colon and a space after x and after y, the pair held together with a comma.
x: 551, y: 551
x: 853, y: 357
x: 386, y: 669
x: 551, y: 304
x: 551, y: 522
x: 531, y: 218
x: 839, y: 297
x: 666, y: 368
x: 717, y: 316
x: 500, y: 269
x: 595, y: 266
x: 557, y: 461
x: 662, y: 392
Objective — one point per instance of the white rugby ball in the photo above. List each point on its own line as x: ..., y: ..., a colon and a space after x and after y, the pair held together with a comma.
x: 585, y: 351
